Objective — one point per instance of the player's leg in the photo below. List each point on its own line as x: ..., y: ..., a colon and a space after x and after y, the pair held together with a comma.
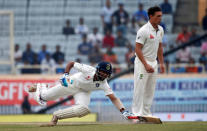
x: 44, y: 94
x: 55, y: 92
x: 138, y: 98
x: 149, y: 94
x: 140, y: 79
x: 82, y: 98
x: 80, y: 109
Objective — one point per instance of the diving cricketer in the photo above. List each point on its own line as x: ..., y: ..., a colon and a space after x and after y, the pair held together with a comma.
x: 79, y: 85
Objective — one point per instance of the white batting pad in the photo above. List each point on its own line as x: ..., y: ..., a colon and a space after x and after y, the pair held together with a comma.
x: 37, y: 95
x: 74, y: 111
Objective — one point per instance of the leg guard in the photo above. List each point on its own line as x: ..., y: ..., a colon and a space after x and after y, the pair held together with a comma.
x: 74, y: 111
x: 39, y: 89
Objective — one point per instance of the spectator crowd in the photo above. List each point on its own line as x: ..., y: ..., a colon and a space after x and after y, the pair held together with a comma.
x: 100, y: 46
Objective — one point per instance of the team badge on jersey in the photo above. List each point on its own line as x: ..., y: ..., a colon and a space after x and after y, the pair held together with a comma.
x: 141, y: 76
x: 151, y: 36
x: 88, y: 77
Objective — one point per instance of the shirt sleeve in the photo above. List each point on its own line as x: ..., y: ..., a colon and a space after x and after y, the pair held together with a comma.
x: 107, y: 89
x: 141, y: 37
x: 83, y: 68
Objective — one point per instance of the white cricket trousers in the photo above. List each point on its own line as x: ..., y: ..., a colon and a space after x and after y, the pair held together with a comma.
x: 53, y: 93
x: 144, y: 87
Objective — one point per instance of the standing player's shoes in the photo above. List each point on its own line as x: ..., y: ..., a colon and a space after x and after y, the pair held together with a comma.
x: 146, y: 119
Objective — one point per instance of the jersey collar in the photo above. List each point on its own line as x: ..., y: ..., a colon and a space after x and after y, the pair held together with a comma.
x: 151, y: 27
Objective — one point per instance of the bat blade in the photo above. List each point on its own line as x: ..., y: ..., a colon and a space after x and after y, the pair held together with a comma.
x: 147, y: 119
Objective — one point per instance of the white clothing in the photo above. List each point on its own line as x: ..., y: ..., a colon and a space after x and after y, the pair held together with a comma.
x: 50, y: 63
x: 18, y: 54
x: 144, y: 87
x: 79, y: 85
x: 95, y: 39
x: 47, y: 66
x: 150, y: 38
x: 107, y: 13
x: 184, y: 55
x: 82, y: 98
x: 144, y: 83
x: 81, y: 29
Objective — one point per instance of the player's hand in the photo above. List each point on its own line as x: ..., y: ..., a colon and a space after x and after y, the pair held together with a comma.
x: 149, y: 68
x: 126, y: 114
x: 162, y: 68
x: 63, y: 79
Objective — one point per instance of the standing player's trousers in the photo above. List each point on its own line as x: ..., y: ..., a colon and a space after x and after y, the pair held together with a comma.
x: 144, y: 87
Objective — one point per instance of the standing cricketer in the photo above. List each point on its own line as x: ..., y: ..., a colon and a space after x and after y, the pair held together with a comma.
x: 148, y: 48
x: 80, y: 85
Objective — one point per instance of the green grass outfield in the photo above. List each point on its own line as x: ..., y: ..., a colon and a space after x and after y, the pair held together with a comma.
x: 43, y: 118
x: 95, y: 126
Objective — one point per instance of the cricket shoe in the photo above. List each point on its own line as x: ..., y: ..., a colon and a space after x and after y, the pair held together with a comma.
x: 37, y: 88
x: 145, y: 119
x: 52, y: 123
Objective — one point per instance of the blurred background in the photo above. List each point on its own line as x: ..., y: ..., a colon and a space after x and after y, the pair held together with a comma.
x: 39, y: 37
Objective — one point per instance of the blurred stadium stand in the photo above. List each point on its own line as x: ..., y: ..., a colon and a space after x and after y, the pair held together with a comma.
x: 40, y: 22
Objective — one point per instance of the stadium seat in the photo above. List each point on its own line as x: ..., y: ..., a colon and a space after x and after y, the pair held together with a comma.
x: 195, y: 51
x: 168, y: 21
x: 120, y: 52
x: 45, y: 19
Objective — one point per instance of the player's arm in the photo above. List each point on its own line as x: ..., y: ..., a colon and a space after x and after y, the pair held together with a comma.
x: 160, y: 58
x: 160, y: 53
x: 69, y: 66
x: 138, y: 51
x: 63, y: 79
x: 140, y: 41
x: 116, y: 101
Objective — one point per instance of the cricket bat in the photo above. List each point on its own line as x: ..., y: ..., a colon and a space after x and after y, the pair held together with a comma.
x: 147, y: 119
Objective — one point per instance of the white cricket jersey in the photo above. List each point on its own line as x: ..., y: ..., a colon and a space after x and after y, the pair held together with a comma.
x: 84, y: 79
x: 150, y: 38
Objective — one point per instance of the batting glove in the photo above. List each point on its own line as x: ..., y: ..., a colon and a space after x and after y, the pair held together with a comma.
x: 126, y: 114
x: 63, y: 79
